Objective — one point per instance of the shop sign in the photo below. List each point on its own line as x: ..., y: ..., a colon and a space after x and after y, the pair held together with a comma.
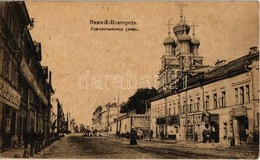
x: 241, y: 111
x: 8, y: 95
x: 205, y: 117
x: 29, y: 76
x: 214, y: 118
x: 160, y: 121
x: 171, y: 120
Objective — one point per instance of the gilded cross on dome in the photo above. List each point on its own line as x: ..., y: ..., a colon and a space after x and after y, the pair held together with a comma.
x: 193, y: 28
x: 169, y: 26
x: 181, y: 5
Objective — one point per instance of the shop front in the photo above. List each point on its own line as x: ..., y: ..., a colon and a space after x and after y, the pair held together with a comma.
x: 160, y: 127
x: 172, y: 123
x: 169, y: 126
x: 9, y: 105
x: 211, y: 131
x: 240, y: 115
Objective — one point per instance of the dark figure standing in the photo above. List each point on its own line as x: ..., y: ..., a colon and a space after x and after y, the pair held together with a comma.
x: 133, y: 139
x: 162, y: 135
x: 204, y: 136
x: 118, y: 134
x: 26, y: 138
x: 196, y: 137
x: 151, y: 135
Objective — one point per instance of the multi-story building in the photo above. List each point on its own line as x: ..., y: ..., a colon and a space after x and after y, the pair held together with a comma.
x: 96, y: 120
x: 220, y: 100
x: 25, y: 90
x: 131, y: 121
x: 113, y: 114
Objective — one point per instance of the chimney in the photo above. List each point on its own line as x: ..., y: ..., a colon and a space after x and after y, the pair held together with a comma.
x: 253, y: 50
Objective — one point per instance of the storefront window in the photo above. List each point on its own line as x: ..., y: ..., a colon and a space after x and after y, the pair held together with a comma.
x: 8, y: 120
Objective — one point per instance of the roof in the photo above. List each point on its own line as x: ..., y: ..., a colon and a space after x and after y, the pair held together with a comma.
x: 195, y: 41
x: 233, y: 68
x: 168, y: 40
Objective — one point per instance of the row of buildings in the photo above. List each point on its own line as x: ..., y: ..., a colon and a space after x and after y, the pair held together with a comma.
x: 25, y: 84
x: 108, y: 119
x: 220, y: 101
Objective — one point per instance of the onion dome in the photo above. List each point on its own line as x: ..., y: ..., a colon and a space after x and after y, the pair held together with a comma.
x: 180, y: 28
x: 195, y: 41
x: 184, y: 37
x: 168, y: 40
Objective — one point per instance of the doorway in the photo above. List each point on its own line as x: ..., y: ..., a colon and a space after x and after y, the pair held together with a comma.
x: 242, y: 127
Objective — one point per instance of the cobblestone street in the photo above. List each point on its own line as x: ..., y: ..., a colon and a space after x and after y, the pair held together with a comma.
x: 75, y: 146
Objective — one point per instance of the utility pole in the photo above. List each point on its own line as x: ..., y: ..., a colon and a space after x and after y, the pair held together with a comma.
x: 186, y: 105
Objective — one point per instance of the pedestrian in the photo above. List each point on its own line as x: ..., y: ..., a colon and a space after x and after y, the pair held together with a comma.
x: 204, y: 136
x: 240, y: 136
x: 26, y: 139
x: 196, y: 137
x: 118, y: 134
x: 247, y: 135
x: 151, y: 134
x: 133, y: 138
x: 162, y: 135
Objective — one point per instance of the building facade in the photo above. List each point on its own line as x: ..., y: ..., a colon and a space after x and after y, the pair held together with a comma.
x: 224, y: 102
x: 220, y: 101
x: 25, y: 85
x: 131, y: 121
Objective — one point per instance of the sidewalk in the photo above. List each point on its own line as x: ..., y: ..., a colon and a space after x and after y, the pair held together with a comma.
x: 21, y: 152
x: 185, y: 144
x: 13, y: 153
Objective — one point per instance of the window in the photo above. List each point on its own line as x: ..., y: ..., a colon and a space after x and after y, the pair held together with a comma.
x: 225, y: 130
x: 222, y: 99
x: 242, y: 97
x: 14, y: 74
x: 198, y: 104
x: 174, y: 111
x: 183, y: 107
x: 247, y: 94
x: 190, y: 106
x: 179, y: 107
x: 236, y: 96
x: 207, y: 102
x: 215, y: 97
x: 169, y: 111
x: 6, y: 66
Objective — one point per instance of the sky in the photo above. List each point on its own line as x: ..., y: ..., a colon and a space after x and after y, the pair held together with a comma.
x: 91, y: 68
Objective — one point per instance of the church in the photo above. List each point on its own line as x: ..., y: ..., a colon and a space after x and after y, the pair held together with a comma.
x: 220, y: 104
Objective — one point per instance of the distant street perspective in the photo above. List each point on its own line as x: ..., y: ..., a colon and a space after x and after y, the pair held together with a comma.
x: 107, y: 147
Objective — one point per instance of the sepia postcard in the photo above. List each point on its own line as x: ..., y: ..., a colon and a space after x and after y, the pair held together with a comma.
x: 129, y: 80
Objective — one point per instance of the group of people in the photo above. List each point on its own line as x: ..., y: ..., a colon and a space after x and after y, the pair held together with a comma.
x: 209, y: 136
x: 32, y: 138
